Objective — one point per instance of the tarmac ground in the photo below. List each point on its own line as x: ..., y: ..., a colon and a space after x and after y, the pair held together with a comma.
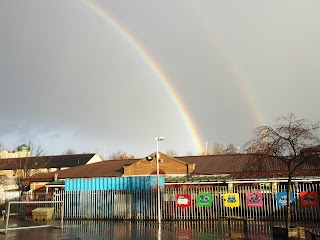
x: 92, y: 230
x: 142, y: 230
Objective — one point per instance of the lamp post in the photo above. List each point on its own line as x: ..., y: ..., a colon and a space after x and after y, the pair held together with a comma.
x: 158, y: 181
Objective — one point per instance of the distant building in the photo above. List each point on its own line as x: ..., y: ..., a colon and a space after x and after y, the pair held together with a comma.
x: 22, y: 151
x: 19, y: 166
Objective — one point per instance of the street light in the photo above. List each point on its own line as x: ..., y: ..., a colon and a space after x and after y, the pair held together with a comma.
x: 157, y: 139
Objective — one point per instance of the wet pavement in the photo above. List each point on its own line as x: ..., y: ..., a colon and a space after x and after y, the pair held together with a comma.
x: 142, y: 230
x: 98, y: 230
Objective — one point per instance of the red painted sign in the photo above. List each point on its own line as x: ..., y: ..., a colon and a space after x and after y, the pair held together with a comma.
x: 309, y: 198
x: 183, y: 200
x: 254, y: 199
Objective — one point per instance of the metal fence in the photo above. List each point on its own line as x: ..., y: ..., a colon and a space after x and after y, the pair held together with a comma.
x: 142, y: 204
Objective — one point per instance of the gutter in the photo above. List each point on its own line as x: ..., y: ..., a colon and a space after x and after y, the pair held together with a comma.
x: 244, y: 181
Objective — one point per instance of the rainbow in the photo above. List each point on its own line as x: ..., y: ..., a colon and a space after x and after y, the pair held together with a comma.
x: 238, y: 76
x: 157, y: 71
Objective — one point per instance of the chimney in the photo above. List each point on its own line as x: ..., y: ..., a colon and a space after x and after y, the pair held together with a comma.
x: 55, y: 177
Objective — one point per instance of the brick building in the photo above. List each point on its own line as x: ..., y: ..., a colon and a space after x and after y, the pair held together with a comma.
x: 211, y: 169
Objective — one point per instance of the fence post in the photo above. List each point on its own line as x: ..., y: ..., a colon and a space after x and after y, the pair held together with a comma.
x: 7, y: 216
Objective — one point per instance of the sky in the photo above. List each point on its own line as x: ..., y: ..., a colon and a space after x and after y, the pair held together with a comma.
x: 108, y: 76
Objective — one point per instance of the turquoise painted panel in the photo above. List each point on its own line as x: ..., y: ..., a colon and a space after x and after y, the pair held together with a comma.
x: 113, y: 183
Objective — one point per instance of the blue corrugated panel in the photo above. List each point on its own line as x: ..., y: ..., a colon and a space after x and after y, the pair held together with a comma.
x: 113, y: 183
x: 95, y: 184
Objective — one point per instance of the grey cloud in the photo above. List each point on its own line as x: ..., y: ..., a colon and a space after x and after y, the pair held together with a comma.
x: 69, y: 78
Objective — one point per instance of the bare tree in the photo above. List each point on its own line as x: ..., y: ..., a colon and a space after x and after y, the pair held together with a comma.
x: 120, y: 155
x: 23, y: 165
x: 204, y: 153
x: 1, y: 146
x: 230, y: 149
x: 284, y: 141
x: 69, y: 151
x: 189, y: 154
x: 172, y: 153
x: 28, y: 166
x: 217, y: 149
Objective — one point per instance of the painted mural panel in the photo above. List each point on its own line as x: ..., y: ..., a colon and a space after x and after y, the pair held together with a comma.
x: 204, y: 200
x: 254, y: 199
x: 281, y: 198
x: 309, y: 198
x: 183, y: 200
x: 231, y: 200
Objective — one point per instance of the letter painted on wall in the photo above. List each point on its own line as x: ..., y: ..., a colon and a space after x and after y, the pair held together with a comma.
x: 183, y: 200
x: 254, y: 200
x: 281, y: 198
x: 231, y: 200
x: 309, y: 198
x: 204, y: 200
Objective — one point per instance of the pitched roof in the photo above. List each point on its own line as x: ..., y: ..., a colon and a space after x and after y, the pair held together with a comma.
x: 110, y: 168
x: 243, y: 176
x: 154, y: 156
x: 235, y: 163
x: 227, y: 163
x: 58, y: 161
x: 311, y: 150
